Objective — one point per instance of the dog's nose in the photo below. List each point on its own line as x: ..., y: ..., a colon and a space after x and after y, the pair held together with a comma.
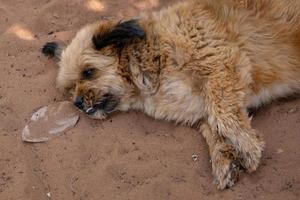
x: 79, y: 102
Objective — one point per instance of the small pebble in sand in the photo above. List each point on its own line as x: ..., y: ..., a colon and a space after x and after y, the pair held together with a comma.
x: 49, y: 194
x: 292, y: 110
x: 194, y: 157
x: 279, y: 151
x: 55, y: 15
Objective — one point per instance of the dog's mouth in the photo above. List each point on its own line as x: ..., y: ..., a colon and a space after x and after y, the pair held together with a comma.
x: 100, y: 109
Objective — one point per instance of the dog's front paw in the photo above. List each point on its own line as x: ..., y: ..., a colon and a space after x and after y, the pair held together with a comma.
x: 225, y: 167
x: 251, y: 154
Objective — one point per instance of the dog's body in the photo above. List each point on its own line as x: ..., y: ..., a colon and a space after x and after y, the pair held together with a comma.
x: 199, y: 62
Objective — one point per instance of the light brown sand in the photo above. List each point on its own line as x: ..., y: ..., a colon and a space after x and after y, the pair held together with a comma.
x: 128, y: 156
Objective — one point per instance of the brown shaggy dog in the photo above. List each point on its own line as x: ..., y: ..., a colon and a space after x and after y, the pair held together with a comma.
x: 199, y: 62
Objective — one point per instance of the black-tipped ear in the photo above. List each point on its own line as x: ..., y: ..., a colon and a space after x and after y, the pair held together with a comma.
x: 52, y: 50
x: 120, y: 35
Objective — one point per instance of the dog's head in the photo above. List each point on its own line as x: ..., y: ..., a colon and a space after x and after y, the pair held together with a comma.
x: 90, y: 68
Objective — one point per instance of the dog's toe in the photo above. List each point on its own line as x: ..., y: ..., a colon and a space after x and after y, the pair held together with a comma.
x: 226, y: 166
x: 227, y: 175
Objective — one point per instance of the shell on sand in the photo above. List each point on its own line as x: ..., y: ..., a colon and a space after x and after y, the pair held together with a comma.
x: 50, y: 121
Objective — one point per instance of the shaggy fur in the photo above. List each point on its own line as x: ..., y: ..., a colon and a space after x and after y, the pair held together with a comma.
x: 200, y: 62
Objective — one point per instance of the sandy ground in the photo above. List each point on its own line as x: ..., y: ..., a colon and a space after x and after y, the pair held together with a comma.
x: 128, y: 156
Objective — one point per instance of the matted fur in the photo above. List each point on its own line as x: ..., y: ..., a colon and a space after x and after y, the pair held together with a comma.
x: 200, y: 62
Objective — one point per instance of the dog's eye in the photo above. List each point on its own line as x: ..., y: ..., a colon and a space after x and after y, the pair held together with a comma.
x: 88, y: 73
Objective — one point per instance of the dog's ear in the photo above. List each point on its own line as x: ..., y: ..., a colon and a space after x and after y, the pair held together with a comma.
x: 120, y: 35
x: 52, y: 50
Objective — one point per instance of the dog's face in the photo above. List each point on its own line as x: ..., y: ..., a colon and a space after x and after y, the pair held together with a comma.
x: 90, y: 67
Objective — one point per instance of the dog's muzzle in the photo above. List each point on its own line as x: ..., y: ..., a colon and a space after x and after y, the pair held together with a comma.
x: 106, y: 104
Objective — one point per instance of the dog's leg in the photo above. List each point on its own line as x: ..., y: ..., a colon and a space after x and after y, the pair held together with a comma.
x: 225, y: 97
x: 236, y: 128
x: 224, y: 159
